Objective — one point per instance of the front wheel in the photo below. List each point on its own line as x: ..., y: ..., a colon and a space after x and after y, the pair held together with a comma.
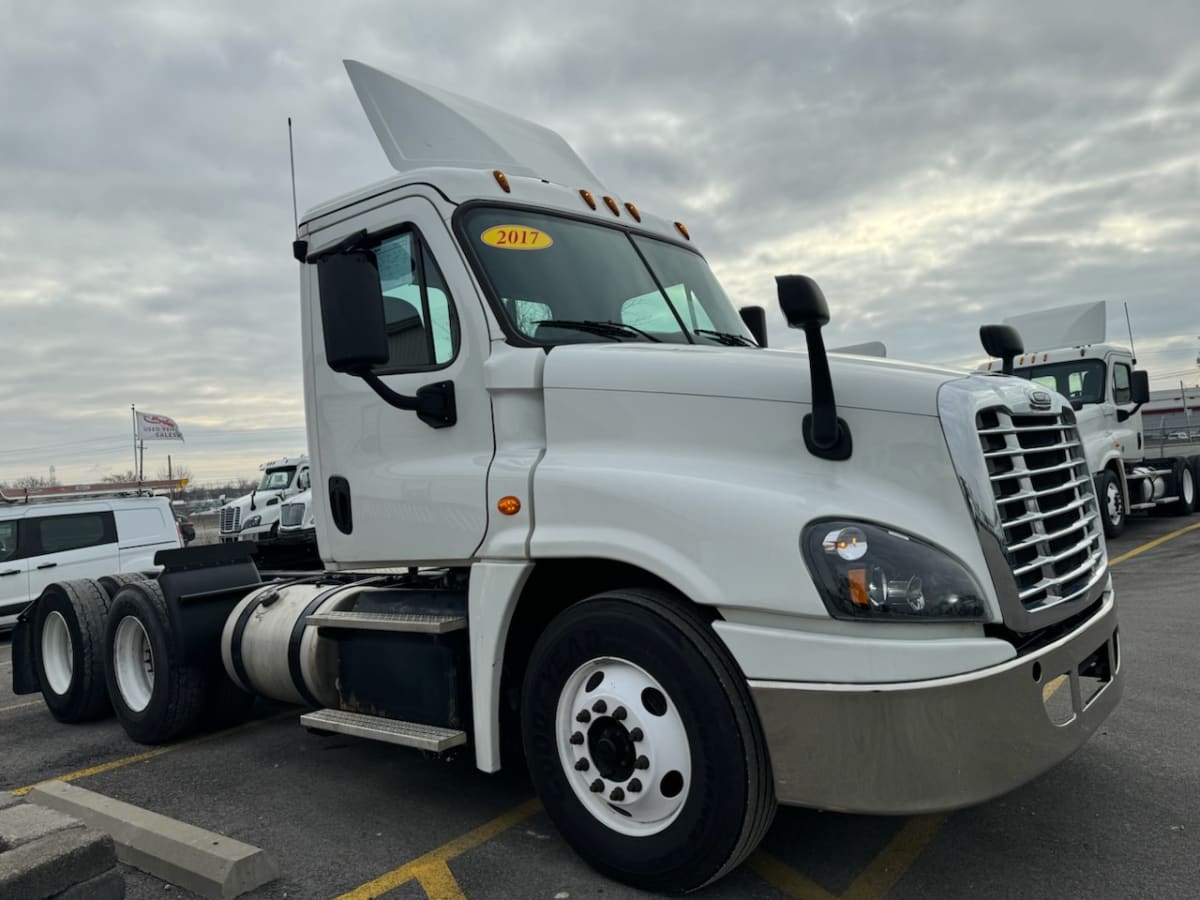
x: 643, y: 742
x: 1112, y: 503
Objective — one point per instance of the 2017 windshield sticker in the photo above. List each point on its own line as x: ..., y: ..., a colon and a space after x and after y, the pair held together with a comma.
x: 516, y: 237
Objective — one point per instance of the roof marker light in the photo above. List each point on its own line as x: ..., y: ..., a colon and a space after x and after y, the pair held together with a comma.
x: 633, y: 211
x: 502, y: 180
x: 682, y: 229
x: 587, y: 197
x: 612, y: 205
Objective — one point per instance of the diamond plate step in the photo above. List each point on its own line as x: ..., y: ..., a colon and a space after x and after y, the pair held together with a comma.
x: 391, y: 731
x: 383, y: 621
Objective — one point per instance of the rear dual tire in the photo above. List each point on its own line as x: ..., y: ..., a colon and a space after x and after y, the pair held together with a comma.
x: 68, y: 642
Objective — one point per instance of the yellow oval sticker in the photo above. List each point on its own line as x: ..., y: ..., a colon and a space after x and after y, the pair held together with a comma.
x: 516, y: 237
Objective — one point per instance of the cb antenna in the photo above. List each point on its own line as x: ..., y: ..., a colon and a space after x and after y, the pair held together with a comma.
x: 299, y: 247
x: 1129, y: 327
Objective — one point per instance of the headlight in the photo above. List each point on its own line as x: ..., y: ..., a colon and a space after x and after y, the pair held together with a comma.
x: 252, y: 522
x: 869, y: 572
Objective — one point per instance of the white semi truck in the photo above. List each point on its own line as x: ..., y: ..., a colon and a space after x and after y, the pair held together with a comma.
x: 1106, y: 392
x: 255, y: 516
x: 571, y: 509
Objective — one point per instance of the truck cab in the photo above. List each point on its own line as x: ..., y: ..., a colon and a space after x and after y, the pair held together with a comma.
x: 255, y: 516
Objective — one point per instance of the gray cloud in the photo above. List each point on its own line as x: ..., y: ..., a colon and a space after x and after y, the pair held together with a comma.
x: 933, y: 165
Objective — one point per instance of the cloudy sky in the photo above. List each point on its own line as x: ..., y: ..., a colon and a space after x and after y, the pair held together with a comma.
x: 932, y: 165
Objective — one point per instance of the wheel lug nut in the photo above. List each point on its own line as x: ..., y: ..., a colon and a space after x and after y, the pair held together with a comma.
x: 581, y: 765
x: 642, y: 762
x: 597, y: 786
x: 619, y: 714
x: 577, y: 738
x: 584, y: 716
x: 600, y: 706
x: 635, y: 734
x: 634, y: 786
x: 617, y: 794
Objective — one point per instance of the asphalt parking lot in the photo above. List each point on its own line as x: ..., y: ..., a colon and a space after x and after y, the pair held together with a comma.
x: 1119, y: 819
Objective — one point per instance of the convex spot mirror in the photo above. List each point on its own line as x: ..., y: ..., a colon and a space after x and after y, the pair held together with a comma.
x: 352, y: 317
x: 802, y: 302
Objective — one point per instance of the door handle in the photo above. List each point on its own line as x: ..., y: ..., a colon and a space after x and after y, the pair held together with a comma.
x: 10, y: 572
x: 47, y: 565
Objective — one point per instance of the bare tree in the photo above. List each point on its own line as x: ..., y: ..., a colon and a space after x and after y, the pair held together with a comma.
x: 32, y: 481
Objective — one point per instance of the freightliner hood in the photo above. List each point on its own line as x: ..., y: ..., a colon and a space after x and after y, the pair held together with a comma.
x: 859, y: 382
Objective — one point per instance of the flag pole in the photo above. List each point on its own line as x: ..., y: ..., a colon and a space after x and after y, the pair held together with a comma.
x: 133, y: 413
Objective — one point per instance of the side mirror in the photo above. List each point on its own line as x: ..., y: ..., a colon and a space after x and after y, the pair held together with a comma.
x: 352, y: 316
x: 1139, y: 387
x: 825, y: 435
x: 755, y: 318
x: 802, y: 302
x: 1002, y: 342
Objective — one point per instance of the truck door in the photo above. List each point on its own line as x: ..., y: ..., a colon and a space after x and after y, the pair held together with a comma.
x: 1129, y: 432
x: 407, y: 492
x: 14, y: 573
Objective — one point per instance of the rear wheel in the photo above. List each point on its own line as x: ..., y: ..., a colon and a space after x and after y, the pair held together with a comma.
x: 1184, y: 477
x: 1112, y: 503
x: 110, y: 584
x: 156, y: 696
x: 642, y: 741
x: 1194, y: 464
x: 68, y: 641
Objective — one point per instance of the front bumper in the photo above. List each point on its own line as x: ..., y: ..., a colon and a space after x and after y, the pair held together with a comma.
x: 299, y: 538
x: 941, y: 744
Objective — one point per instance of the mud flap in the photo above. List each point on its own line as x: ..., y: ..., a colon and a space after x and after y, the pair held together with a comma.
x: 24, y: 675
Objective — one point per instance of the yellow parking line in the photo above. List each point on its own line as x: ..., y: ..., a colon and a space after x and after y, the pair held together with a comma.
x: 881, y: 875
x: 781, y: 875
x: 20, y: 705
x: 1150, y: 545
x: 148, y: 754
x: 431, y: 870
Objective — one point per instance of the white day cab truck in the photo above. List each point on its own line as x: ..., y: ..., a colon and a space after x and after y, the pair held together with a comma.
x: 571, y: 509
x: 1106, y: 392
x: 255, y: 516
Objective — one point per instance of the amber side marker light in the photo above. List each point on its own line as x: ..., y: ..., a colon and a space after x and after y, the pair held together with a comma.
x: 682, y: 229
x: 587, y: 197
x: 633, y: 211
x: 858, y: 587
x: 508, y: 506
x: 612, y: 206
x: 502, y: 180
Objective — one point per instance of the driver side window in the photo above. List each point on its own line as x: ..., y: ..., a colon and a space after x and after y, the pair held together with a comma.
x: 419, y: 316
x: 8, y: 540
x: 1122, y: 389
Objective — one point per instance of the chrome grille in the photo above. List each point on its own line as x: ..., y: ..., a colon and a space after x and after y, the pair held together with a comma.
x: 231, y: 519
x: 1048, y: 511
x: 291, y: 515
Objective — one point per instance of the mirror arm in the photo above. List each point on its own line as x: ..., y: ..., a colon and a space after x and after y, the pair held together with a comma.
x: 825, y: 434
x: 1124, y: 415
x: 434, y: 403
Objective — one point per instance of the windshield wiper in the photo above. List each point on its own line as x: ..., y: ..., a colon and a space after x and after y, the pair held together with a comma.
x: 614, y: 330
x: 728, y: 338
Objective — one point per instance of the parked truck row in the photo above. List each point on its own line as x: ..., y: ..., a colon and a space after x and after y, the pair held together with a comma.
x: 573, y: 512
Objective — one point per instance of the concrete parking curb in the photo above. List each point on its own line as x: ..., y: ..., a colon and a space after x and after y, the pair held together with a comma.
x: 201, y: 861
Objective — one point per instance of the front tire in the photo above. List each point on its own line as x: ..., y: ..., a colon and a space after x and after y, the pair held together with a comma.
x: 643, y: 743
x: 156, y: 696
x: 68, y: 654
x: 1112, y: 503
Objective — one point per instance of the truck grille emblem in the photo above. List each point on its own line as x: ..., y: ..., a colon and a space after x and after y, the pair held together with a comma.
x: 1039, y: 399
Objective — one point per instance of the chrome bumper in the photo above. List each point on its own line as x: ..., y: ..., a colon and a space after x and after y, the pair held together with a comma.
x: 935, y: 745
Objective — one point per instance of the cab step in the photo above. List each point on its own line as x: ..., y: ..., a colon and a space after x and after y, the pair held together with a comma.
x: 425, y: 623
x: 390, y: 731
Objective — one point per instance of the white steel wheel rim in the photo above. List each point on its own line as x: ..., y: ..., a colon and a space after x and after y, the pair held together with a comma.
x: 1189, y: 488
x: 58, y: 653
x: 133, y: 663
x: 1113, y: 500
x: 623, y: 747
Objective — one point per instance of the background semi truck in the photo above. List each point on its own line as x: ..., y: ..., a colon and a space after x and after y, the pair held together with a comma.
x: 571, y: 509
x: 255, y: 516
x: 1106, y: 392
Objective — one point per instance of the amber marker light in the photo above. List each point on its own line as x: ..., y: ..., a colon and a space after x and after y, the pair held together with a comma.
x: 508, y: 506
x: 502, y: 180
x: 633, y: 211
x: 858, y: 587
x: 587, y: 197
x: 682, y: 229
x: 612, y: 206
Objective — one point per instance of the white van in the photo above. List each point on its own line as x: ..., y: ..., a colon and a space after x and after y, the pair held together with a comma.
x: 46, y: 542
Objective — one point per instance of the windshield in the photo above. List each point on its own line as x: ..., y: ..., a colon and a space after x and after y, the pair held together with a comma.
x: 548, y: 269
x: 276, y: 479
x: 1080, y: 381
